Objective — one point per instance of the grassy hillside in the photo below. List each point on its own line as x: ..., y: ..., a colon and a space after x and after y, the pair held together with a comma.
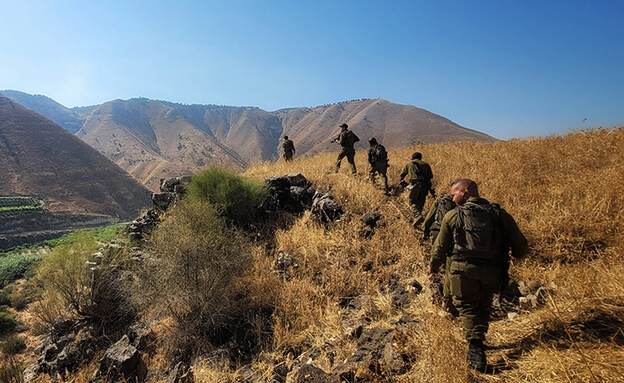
x: 564, y: 192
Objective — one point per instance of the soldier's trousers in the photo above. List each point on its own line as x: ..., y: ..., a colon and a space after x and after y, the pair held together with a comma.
x: 472, y: 288
x: 416, y: 198
x: 381, y: 169
x: 288, y: 156
x: 350, y: 154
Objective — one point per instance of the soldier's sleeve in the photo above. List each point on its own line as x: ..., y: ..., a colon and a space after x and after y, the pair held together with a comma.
x: 444, y: 241
x: 513, y: 236
x: 403, y: 173
x: 430, y: 218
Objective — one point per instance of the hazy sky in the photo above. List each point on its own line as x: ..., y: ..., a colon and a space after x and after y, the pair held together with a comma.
x: 507, y: 68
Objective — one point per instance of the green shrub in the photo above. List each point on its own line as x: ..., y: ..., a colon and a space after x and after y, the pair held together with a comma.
x: 66, y: 274
x: 13, y: 345
x: 196, y: 270
x: 5, y: 296
x: 13, y: 267
x: 236, y: 197
x: 7, y: 323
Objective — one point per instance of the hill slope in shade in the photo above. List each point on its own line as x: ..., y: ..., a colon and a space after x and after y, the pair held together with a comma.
x: 38, y: 157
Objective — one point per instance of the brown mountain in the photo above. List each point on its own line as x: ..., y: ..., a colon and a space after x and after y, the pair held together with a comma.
x: 392, y: 124
x: 155, y: 139
x: 38, y: 157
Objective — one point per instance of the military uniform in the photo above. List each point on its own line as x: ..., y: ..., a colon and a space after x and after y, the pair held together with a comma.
x: 478, y: 235
x: 431, y: 227
x: 419, y: 176
x: 289, y: 149
x: 347, y: 139
x: 378, y: 160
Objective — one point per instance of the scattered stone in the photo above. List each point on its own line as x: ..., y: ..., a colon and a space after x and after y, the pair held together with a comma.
x: 140, y: 335
x: 414, y: 287
x: 370, y: 223
x: 370, y: 219
x: 284, y: 264
x: 325, y: 208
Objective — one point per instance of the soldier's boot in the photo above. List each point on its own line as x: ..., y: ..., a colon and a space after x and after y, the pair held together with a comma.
x: 476, y: 355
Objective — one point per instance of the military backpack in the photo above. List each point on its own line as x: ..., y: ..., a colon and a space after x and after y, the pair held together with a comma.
x: 378, y: 154
x: 445, y: 204
x: 478, y: 234
x: 348, y: 138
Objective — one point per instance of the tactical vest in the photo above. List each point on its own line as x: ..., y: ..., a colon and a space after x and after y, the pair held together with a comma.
x: 478, y: 235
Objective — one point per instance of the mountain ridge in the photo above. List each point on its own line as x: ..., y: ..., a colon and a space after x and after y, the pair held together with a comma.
x: 154, y: 139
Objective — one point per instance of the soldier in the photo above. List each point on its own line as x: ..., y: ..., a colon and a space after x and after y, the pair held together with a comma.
x: 480, y: 238
x: 419, y: 178
x: 431, y: 227
x: 378, y: 160
x: 346, y: 139
x: 289, y: 149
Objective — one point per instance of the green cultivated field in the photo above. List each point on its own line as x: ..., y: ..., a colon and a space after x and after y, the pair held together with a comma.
x: 16, y: 205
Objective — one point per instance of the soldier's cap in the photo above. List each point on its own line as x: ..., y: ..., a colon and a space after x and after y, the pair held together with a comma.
x: 344, y: 126
x: 285, y: 137
x: 417, y: 156
x: 372, y: 140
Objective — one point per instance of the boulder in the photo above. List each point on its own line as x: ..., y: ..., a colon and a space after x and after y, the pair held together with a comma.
x: 324, y: 208
x: 120, y: 361
x: 297, y: 179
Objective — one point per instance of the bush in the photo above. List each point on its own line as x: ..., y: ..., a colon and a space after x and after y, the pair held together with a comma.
x: 65, y: 273
x: 13, y: 345
x: 13, y: 267
x: 7, y: 323
x: 236, y: 197
x: 196, y: 270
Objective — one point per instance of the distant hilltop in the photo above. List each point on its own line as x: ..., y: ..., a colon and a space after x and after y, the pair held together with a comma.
x: 154, y: 139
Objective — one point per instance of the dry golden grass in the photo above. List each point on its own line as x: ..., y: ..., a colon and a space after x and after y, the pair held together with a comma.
x: 565, y: 194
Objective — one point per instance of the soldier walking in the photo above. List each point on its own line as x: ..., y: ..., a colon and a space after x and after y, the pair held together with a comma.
x: 480, y: 237
x: 419, y: 177
x: 378, y: 160
x: 431, y: 227
x: 346, y: 139
x: 289, y: 149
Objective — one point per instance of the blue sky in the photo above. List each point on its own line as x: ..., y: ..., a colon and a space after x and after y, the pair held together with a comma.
x: 507, y: 68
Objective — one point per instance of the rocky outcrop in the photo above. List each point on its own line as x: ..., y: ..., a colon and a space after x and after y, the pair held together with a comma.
x: 171, y: 191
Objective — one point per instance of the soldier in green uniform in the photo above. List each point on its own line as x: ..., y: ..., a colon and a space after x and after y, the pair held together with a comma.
x: 419, y: 177
x: 346, y: 139
x: 431, y: 227
x: 289, y: 149
x: 480, y: 237
x: 378, y: 160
